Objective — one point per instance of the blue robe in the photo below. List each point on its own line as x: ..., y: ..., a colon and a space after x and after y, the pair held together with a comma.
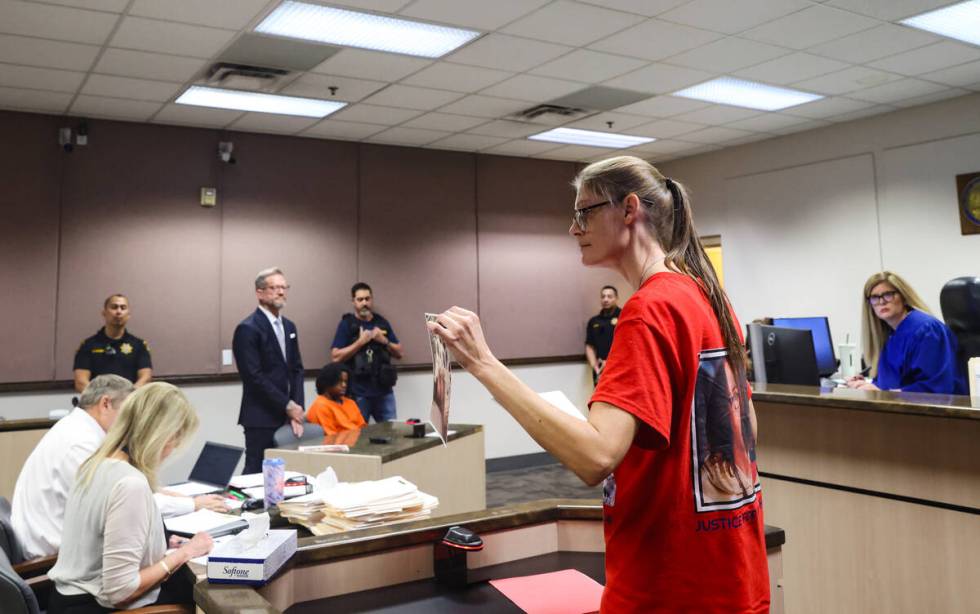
x: 920, y: 356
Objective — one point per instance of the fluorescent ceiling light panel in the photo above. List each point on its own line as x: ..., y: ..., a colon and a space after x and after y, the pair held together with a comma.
x: 741, y: 93
x: 335, y: 26
x: 960, y: 21
x: 261, y: 103
x: 591, y: 138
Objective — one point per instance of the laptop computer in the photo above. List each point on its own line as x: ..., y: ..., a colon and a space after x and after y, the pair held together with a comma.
x: 212, y: 471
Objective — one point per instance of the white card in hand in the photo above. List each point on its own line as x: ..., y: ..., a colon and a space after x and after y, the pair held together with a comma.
x: 562, y: 402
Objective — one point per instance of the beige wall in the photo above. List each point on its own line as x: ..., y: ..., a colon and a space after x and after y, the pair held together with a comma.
x: 804, y: 219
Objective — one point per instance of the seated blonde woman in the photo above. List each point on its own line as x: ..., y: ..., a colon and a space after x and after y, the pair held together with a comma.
x: 113, y: 551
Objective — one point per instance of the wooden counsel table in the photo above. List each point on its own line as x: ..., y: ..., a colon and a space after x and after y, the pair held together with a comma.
x: 391, y: 568
x: 880, y: 492
x: 18, y: 439
x: 455, y: 473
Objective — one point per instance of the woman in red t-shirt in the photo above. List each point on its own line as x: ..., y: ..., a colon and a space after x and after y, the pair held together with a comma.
x: 671, y: 428
x: 333, y: 410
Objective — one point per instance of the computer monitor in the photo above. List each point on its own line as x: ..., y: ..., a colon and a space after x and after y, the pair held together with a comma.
x: 823, y: 343
x: 783, y: 355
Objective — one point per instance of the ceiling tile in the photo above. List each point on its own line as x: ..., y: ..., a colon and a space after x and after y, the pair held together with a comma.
x: 145, y: 65
x: 484, y: 106
x: 827, y: 107
x: 408, y: 97
x: 647, y: 8
x: 165, y: 37
x: 897, y: 91
x: 589, y: 66
x: 929, y: 58
x: 928, y: 98
x: 655, y: 40
x: 382, y: 6
x: 50, y: 54
x: 533, y: 88
x: 364, y: 64
x: 114, y: 108
x: 666, y: 128
x: 457, y: 77
x: 962, y: 75
x: 36, y: 101
x: 731, y: 16
x: 312, y: 85
x: 665, y: 146
x: 716, y: 115
x: 231, y: 14
x: 715, y: 134
x: 878, y: 42
x: 663, y: 106
x: 56, y: 22
x: 808, y: 125
x: 446, y: 122
x: 727, y: 54
x: 660, y: 79
x: 407, y: 136
x: 812, y: 26
x: 572, y: 23
x: 577, y: 153
x: 507, y: 52
x: 187, y: 115
x: 847, y: 80
x: 508, y: 129
x: 790, y: 68
x: 889, y: 10
x: 371, y: 114
x: 868, y: 112
x: 468, y: 142
x: 622, y: 122
x: 276, y: 124
x: 40, y: 78
x: 480, y: 15
x: 767, y: 122
x: 333, y: 128
x: 134, y: 89
x: 522, y: 147
x: 113, y: 6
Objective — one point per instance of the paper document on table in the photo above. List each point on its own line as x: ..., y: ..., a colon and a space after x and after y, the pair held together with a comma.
x: 561, y: 592
x: 562, y: 402
x: 202, y: 520
x: 248, y: 480
x: 191, y: 489
x: 441, y: 382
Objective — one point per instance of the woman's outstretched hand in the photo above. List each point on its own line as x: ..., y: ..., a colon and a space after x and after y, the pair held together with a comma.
x: 461, y: 331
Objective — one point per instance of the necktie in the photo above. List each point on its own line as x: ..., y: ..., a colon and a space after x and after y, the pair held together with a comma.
x: 280, y: 336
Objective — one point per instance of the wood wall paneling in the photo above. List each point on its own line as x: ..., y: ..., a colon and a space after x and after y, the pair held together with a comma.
x: 132, y: 223
x: 29, y: 170
x: 291, y: 203
x: 417, y: 237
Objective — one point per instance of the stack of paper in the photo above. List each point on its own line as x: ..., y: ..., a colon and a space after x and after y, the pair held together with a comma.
x: 359, y: 505
x: 249, y: 480
x: 204, y: 520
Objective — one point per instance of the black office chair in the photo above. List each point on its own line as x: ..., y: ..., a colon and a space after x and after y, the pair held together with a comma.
x: 15, y: 595
x: 8, y: 541
x: 960, y: 302
x: 311, y: 432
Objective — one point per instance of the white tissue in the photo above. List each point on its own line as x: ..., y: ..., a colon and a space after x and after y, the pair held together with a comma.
x: 258, y: 528
x: 326, y: 480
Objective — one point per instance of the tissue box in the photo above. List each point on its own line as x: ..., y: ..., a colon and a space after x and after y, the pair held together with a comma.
x: 229, y: 563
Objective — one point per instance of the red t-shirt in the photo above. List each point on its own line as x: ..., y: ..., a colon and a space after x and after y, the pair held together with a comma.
x: 683, y: 511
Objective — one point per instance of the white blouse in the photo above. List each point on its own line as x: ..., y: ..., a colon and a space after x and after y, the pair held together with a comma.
x: 112, y: 530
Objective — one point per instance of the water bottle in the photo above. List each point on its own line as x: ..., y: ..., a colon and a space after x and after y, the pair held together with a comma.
x: 273, y: 480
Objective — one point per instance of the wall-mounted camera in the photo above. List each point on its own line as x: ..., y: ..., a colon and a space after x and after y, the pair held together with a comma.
x: 225, y: 149
x: 69, y: 138
x: 64, y: 139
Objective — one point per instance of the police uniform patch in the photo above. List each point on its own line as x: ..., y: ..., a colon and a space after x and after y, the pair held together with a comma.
x: 126, y: 349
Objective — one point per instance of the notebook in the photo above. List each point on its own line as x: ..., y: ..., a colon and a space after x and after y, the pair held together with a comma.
x: 212, y: 471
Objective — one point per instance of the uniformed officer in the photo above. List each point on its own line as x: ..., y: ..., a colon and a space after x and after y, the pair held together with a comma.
x: 599, y: 331
x: 113, y: 349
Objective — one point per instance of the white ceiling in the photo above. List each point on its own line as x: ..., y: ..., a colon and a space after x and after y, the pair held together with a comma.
x: 129, y: 59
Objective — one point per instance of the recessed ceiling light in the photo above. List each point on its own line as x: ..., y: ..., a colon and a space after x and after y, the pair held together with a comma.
x: 960, y: 21
x: 590, y: 138
x: 261, y: 103
x: 335, y: 26
x: 741, y: 93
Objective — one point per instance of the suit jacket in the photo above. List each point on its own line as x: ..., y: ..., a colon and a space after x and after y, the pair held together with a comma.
x: 268, y: 381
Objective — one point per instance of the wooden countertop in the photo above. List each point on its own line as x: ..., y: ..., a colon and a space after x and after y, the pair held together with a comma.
x: 26, y: 424
x: 359, y: 440
x: 910, y: 403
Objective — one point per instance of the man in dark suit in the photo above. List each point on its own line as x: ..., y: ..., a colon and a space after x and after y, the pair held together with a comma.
x: 266, y: 351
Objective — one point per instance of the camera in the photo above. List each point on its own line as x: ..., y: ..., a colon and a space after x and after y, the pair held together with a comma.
x: 225, y: 149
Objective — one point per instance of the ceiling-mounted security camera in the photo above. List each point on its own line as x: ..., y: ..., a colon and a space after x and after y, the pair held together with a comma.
x: 225, y: 149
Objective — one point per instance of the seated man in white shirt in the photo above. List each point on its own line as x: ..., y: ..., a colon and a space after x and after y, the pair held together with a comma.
x: 38, y: 508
